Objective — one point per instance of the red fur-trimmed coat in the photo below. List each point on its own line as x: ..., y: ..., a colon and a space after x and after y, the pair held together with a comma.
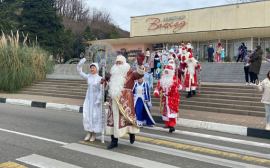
x: 190, y: 80
x: 170, y: 99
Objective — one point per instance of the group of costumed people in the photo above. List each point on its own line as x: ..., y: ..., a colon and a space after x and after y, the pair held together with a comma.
x: 186, y: 72
x: 129, y: 101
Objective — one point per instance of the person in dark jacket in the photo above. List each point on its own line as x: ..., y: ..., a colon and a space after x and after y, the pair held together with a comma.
x: 241, y: 51
x: 156, y: 61
x: 256, y: 62
x: 210, y: 53
x: 107, y: 77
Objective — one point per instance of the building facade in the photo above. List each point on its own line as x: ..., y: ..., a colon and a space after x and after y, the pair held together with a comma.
x: 229, y: 24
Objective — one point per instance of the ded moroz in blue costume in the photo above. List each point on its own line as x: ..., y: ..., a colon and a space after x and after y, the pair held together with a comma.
x: 141, y: 103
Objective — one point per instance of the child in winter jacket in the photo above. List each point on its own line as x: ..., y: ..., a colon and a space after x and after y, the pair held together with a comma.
x: 222, y: 56
x: 158, y: 71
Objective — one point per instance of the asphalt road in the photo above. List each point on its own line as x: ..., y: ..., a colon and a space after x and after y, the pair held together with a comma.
x: 35, y: 137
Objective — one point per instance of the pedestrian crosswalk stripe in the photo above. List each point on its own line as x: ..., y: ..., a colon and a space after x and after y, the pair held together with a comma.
x: 214, y: 137
x: 206, y: 145
x: 44, y: 162
x: 184, y: 154
x: 33, y: 136
x: 123, y: 158
x: 11, y: 165
x: 202, y: 150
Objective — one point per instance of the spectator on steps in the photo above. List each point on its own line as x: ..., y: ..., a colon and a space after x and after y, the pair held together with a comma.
x: 265, y: 88
x: 147, y: 54
x: 246, y: 68
x: 210, y: 53
x: 156, y: 61
x: 152, y: 63
x: 222, y: 55
x: 241, y: 52
x: 256, y: 62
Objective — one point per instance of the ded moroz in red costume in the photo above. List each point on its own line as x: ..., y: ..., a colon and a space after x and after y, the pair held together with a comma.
x: 121, y: 117
x: 190, y: 67
x: 170, y: 86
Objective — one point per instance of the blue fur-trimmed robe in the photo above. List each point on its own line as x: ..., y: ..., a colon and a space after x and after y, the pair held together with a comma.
x: 141, y: 100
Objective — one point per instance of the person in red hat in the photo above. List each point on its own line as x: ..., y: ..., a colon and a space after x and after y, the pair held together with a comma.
x: 170, y: 86
x: 190, y: 74
x: 121, y: 117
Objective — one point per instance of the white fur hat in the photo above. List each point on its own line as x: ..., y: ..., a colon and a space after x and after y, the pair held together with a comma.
x: 171, y: 50
x: 189, y: 45
x: 121, y: 58
x: 96, y: 65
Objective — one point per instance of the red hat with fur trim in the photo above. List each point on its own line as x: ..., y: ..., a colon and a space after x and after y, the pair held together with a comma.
x: 169, y: 67
x: 174, y: 56
x: 190, y: 55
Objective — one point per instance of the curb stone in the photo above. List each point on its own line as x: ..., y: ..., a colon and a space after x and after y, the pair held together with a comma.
x: 225, y: 128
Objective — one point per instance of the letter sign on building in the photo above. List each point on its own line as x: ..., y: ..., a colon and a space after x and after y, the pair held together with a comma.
x: 155, y: 24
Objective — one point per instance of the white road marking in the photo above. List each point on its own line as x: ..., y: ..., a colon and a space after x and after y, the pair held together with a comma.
x: 33, y: 136
x: 184, y: 154
x: 123, y: 158
x: 44, y: 162
x: 214, y: 137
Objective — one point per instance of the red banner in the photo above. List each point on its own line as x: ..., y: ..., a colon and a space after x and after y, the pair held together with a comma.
x: 155, y: 24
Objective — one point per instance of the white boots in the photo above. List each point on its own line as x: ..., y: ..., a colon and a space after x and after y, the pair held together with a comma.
x: 93, y: 137
x: 90, y: 136
x: 268, y: 127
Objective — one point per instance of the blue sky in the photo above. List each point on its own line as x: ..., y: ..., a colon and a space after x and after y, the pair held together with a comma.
x: 122, y: 10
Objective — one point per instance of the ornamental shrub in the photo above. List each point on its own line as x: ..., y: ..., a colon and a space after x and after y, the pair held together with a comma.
x: 21, y: 64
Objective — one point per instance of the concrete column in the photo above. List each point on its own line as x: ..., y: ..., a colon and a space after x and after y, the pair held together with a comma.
x: 219, y: 40
x: 226, y: 50
x: 259, y: 41
x: 251, y: 45
x: 198, y: 46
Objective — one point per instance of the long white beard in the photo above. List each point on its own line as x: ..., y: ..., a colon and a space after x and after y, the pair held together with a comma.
x: 191, y: 66
x: 166, y: 80
x: 118, y: 79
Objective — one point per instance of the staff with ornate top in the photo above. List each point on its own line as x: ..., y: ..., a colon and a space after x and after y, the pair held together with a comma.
x: 103, y: 63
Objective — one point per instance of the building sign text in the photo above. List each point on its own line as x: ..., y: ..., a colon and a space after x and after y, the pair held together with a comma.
x: 155, y: 24
x: 174, y: 17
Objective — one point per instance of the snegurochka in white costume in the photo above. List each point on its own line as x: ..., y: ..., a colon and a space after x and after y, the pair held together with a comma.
x: 121, y: 114
x: 92, y: 116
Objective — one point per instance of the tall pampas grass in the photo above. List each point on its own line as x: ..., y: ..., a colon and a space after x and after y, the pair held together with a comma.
x: 21, y: 64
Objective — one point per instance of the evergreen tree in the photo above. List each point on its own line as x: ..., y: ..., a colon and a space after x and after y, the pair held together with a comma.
x: 66, y: 50
x: 87, y: 34
x: 78, y: 45
x: 114, y: 33
x: 8, y: 16
x: 42, y: 23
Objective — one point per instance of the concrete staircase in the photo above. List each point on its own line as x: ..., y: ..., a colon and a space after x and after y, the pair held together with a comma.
x: 228, y: 72
x: 222, y: 98
x: 68, y: 88
x: 215, y: 97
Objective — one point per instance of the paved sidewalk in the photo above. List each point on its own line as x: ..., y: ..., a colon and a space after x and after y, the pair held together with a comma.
x: 231, y: 119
